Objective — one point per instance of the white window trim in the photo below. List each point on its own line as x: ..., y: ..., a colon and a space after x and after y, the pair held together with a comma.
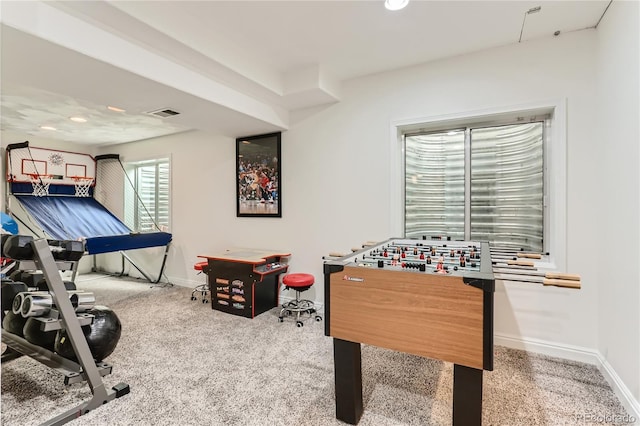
x: 555, y: 232
x: 137, y: 160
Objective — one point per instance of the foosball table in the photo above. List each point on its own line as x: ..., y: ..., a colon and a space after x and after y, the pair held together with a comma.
x: 427, y: 298
x: 431, y: 298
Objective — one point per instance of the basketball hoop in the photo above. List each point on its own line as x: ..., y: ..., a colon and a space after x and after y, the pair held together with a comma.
x: 40, y: 184
x: 82, y: 185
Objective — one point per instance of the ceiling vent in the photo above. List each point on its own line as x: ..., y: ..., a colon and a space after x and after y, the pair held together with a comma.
x: 163, y: 113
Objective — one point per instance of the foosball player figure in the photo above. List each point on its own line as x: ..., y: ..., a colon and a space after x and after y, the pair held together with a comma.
x: 422, y: 255
x: 428, y: 260
x: 440, y: 266
x: 462, y: 261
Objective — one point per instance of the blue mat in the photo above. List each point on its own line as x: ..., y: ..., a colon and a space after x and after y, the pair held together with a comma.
x: 71, y: 218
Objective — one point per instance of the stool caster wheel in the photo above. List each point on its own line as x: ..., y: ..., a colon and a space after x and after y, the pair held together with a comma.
x: 193, y: 298
x: 318, y: 318
x: 299, y: 324
x: 205, y: 301
x: 280, y: 319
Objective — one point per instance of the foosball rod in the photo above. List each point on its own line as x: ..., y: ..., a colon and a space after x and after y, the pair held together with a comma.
x: 536, y: 273
x: 515, y: 253
x: 540, y: 280
x: 515, y: 263
x: 522, y: 251
x: 535, y: 256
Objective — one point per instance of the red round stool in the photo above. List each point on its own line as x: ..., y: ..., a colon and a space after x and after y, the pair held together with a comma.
x: 298, y: 282
x: 203, y: 289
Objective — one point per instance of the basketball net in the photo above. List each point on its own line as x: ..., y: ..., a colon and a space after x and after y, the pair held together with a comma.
x: 82, y: 185
x: 40, y: 184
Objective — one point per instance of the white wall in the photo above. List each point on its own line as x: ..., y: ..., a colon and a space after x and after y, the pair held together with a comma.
x: 618, y: 131
x: 203, y: 207
x: 336, y: 174
x: 347, y: 178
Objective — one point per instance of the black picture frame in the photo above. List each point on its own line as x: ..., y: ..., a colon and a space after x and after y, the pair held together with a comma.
x: 258, y: 177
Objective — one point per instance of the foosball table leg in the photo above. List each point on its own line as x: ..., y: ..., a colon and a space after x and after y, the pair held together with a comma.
x: 467, y: 396
x: 348, y: 380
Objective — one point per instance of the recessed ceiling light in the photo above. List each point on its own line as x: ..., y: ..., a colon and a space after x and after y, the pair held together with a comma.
x: 78, y: 119
x: 48, y: 128
x: 395, y: 4
x: 116, y: 109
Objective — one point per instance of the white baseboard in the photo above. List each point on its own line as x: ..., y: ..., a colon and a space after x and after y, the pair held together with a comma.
x: 580, y: 354
x: 573, y: 353
x: 193, y: 283
x: 622, y: 391
x: 186, y: 282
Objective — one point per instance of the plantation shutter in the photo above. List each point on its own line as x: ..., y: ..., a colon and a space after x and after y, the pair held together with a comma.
x: 152, y: 206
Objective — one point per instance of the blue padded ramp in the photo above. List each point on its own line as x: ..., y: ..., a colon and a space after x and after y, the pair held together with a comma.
x: 70, y: 218
x: 97, y: 245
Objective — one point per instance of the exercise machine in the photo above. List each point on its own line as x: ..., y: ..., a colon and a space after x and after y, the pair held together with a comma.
x: 61, y: 315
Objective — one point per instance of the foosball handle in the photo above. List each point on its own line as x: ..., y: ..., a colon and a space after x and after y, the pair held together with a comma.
x: 520, y: 263
x: 561, y: 276
x: 530, y: 255
x: 336, y: 254
x: 561, y: 283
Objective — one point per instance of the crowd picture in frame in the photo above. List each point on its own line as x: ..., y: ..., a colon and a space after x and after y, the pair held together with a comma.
x: 258, y: 189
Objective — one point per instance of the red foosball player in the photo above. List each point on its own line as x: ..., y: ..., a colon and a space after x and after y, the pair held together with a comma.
x: 440, y: 265
x: 462, y: 261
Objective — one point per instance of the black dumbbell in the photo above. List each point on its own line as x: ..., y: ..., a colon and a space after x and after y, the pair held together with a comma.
x: 68, y: 250
x: 18, y: 247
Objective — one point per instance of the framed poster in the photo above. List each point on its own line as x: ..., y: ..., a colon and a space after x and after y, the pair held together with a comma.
x: 258, y: 187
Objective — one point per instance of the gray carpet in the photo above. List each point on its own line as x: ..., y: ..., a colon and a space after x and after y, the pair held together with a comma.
x: 189, y: 365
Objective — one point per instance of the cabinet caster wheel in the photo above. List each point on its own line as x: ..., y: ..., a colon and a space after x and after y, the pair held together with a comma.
x: 280, y: 319
x: 318, y: 318
x: 299, y: 324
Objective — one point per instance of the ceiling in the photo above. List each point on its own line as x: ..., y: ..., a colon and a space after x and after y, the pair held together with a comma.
x: 236, y: 68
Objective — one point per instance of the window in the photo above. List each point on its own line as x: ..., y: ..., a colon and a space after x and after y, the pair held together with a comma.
x: 552, y: 112
x: 482, y: 182
x: 147, y: 203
